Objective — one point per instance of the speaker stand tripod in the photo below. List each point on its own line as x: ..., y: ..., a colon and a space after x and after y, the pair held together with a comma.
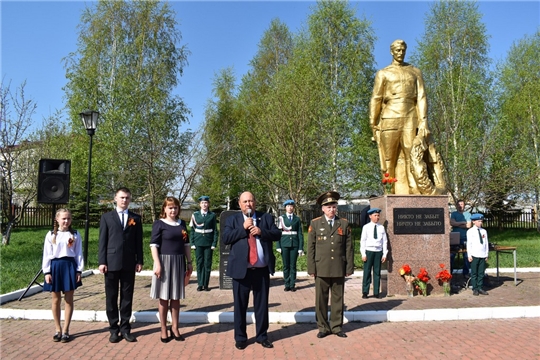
x: 40, y: 270
x: 32, y: 283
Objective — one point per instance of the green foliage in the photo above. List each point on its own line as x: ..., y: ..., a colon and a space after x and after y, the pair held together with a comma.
x: 526, y: 241
x: 296, y: 124
x: 127, y: 64
x: 284, y: 150
x: 223, y: 173
x: 452, y: 55
x: 516, y: 162
x: 18, y: 156
x: 22, y: 260
x: 340, y: 48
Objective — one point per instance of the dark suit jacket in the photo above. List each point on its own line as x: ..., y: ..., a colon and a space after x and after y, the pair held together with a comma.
x: 236, y: 236
x: 120, y: 249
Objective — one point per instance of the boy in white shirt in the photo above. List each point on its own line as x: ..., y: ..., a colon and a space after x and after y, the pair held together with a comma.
x: 374, y: 248
x: 478, y: 250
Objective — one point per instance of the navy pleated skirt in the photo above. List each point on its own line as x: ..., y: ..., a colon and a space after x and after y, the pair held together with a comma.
x: 64, y: 275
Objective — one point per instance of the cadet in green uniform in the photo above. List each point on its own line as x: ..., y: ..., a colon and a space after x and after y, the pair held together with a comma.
x: 291, y: 244
x: 204, y: 238
x: 330, y: 260
x: 374, y: 248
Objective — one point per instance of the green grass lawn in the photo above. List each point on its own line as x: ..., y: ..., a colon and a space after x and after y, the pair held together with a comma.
x: 21, y: 260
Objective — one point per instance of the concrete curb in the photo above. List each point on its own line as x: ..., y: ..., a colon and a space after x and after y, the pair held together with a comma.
x: 37, y: 288
x: 194, y: 317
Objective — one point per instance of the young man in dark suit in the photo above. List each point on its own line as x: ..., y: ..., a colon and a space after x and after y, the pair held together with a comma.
x: 120, y: 256
x: 251, y: 261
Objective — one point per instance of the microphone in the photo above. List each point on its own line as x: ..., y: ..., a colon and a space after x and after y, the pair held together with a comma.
x: 249, y: 215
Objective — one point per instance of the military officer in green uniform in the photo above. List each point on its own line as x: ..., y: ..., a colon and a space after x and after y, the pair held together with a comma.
x: 204, y: 238
x: 291, y: 244
x: 330, y: 260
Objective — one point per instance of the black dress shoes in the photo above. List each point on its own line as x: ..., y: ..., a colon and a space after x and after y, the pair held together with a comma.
x: 483, y: 292
x: 128, y: 337
x: 475, y: 292
x: 287, y: 288
x: 207, y: 289
x: 177, y: 338
x: 266, y: 344
x: 378, y: 296
x: 165, y: 340
x: 57, y: 336
x: 199, y: 288
x: 364, y: 296
x: 321, y: 334
x: 341, y: 334
x: 241, y: 345
x: 293, y: 289
x: 114, y: 338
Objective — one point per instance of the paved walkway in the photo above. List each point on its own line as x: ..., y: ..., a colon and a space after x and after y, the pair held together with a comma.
x: 478, y: 339
x: 507, y: 325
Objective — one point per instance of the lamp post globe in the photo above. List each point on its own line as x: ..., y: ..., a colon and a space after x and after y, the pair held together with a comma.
x: 90, y: 121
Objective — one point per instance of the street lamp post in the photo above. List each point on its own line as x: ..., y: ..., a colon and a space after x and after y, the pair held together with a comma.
x: 90, y: 119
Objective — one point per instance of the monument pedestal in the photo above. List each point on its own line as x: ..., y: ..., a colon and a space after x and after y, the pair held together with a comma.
x: 418, y: 229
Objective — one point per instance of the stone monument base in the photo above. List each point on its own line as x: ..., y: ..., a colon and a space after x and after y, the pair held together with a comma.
x: 418, y: 229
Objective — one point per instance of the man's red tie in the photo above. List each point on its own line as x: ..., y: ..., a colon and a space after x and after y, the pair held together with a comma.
x: 252, y: 242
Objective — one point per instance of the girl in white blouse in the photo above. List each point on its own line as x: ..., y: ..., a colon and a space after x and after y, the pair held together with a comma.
x: 62, y: 266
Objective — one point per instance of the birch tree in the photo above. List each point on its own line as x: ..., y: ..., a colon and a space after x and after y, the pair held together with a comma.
x: 128, y: 61
x: 452, y: 54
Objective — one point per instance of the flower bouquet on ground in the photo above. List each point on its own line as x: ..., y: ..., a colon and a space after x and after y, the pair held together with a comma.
x: 388, y: 182
x: 444, y: 278
x: 421, y: 281
x: 405, y: 272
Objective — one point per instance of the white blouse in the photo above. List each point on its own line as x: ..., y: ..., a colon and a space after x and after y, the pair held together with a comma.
x: 62, y: 248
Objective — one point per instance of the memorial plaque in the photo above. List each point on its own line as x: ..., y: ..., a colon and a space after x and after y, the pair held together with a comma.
x: 225, y: 282
x: 419, y: 221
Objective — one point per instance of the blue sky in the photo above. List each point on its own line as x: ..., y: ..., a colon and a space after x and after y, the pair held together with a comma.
x: 37, y: 35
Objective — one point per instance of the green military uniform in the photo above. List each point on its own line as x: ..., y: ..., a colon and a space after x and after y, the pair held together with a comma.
x: 330, y: 259
x: 291, y: 243
x: 204, y: 237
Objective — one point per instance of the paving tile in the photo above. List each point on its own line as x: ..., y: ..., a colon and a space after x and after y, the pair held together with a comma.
x: 371, y: 335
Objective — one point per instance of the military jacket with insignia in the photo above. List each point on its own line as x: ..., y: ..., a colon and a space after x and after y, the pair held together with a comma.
x: 203, y: 229
x: 291, y: 232
x: 330, y: 250
x: 398, y: 93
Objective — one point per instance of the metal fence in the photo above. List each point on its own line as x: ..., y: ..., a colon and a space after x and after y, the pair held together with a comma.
x: 513, y: 219
x: 42, y: 215
x: 353, y: 217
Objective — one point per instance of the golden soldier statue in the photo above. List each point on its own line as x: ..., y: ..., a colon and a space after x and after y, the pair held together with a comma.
x: 398, y: 118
